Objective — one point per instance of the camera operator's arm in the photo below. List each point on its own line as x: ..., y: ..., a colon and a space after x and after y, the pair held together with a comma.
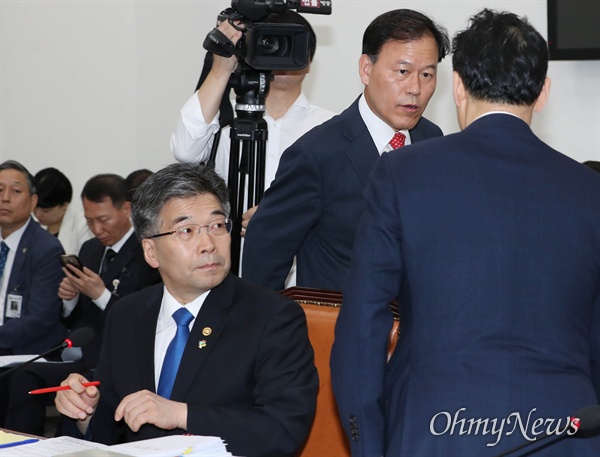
x: 192, y: 138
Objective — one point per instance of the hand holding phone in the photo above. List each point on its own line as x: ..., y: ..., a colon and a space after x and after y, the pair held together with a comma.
x: 71, y: 260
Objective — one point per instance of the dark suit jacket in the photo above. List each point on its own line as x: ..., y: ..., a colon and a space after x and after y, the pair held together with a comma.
x: 133, y: 273
x: 36, y: 274
x: 26, y: 412
x: 491, y: 241
x: 254, y: 383
x: 312, y: 208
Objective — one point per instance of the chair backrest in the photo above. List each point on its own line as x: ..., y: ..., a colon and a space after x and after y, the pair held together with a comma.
x: 326, y: 438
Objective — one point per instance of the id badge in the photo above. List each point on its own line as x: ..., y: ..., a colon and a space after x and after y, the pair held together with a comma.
x: 14, y: 304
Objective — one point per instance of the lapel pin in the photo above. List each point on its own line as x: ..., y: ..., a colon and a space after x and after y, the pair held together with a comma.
x: 206, y: 331
x: 202, y: 344
x: 24, y: 250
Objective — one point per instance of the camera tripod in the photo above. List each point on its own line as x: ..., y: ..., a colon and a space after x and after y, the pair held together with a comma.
x: 249, y: 133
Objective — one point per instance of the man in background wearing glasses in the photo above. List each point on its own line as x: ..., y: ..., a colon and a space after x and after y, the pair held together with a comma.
x: 244, y: 370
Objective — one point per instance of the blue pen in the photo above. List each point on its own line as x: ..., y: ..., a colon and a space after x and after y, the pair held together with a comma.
x: 18, y: 443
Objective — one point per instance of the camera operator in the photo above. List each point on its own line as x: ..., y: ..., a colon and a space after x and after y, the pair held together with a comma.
x: 289, y: 114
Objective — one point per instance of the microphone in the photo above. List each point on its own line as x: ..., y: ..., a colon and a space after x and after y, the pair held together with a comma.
x: 586, y: 419
x: 76, y: 338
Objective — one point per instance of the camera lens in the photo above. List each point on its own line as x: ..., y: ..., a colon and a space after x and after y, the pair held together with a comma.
x: 272, y: 45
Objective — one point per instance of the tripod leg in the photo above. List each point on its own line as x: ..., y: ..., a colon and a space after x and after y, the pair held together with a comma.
x: 233, y: 184
x: 261, y: 155
x: 251, y: 174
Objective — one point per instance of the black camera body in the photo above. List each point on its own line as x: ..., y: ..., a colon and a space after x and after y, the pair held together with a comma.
x: 266, y: 46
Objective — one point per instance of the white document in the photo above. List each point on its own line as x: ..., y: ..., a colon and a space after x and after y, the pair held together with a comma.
x: 174, y: 445
x: 51, y: 447
x: 10, y: 360
x: 166, y: 446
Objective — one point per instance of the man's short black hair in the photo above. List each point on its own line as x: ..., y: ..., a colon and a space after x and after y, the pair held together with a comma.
x: 501, y: 58
x: 403, y: 25
x: 106, y: 185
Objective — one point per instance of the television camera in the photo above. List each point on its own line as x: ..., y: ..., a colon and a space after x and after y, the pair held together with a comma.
x: 266, y: 45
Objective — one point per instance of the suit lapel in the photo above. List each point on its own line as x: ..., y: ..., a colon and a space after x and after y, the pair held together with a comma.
x: 417, y: 134
x: 91, y: 255
x: 20, y: 256
x: 205, y: 334
x: 117, y: 268
x: 361, y: 151
x: 145, y: 335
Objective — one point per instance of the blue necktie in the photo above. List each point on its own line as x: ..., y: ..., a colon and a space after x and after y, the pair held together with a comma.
x: 174, y: 352
x: 3, y: 257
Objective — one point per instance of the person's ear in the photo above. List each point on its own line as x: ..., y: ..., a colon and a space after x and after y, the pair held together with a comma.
x: 34, y: 202
x: 149, y: 247
x: 461, y: 99
x: 127, y: 208
x: 458, y: 90
x: 544, y: 95
x: 365, y: 65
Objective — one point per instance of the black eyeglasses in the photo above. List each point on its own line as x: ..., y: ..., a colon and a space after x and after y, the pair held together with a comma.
x: 218, y: 227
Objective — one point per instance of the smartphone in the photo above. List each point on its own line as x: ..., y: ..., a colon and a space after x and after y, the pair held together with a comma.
x: 71, y: 260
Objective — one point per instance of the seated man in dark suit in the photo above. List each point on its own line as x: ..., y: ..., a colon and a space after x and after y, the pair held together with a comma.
x: 315, y: 201
x: 246, y: 373
x: 105, y: 278
x: 29, y: 268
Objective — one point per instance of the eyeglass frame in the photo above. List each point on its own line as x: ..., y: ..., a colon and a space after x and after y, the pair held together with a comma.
x: 226, y: 220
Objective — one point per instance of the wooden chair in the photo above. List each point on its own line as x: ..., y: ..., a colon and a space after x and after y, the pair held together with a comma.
x: 326, y: 438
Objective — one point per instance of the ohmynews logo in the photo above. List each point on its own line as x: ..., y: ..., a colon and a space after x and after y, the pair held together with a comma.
x: 444, y: 423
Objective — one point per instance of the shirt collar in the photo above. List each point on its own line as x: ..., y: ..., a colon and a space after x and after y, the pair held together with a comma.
x: 379, y: 130
x: 119, y: 244
x: 170, y: 305
x: 300, y: 105
x: 13, y: 240
x: 495, y: 112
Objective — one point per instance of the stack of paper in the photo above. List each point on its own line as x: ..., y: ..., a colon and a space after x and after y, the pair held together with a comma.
x: 175, y: 445
x: 167, y: 446
x: 51, y: 447
x: 12, y: 360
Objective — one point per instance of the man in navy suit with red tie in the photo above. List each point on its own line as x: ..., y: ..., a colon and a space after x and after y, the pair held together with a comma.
x: 490, y: 240
x: 312, y: 208
x: 207, y: 353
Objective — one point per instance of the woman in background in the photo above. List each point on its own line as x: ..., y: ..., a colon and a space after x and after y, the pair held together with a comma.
x: 55, y: 212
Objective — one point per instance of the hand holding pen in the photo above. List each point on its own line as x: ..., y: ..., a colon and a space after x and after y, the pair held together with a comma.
x: 48, y: 390
x: 78, y: 400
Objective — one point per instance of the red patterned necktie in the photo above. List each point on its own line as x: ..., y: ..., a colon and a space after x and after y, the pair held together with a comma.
x: 397, y: 140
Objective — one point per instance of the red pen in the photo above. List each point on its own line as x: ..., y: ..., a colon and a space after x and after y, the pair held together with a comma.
x: 48, y: 390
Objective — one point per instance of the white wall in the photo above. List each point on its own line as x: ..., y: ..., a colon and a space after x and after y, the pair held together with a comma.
x: 95, y: 86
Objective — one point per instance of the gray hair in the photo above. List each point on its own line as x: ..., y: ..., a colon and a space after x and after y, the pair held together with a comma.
x: 178, y: 180
x: 14, y: 165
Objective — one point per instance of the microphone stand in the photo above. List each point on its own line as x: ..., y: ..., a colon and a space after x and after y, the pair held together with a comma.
x: 64, y: 344
x: 79, y: 337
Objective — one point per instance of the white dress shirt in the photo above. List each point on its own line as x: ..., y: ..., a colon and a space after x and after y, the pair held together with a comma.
x: 192, y: 138
x: 379, y: 130
x: 166, y: 326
